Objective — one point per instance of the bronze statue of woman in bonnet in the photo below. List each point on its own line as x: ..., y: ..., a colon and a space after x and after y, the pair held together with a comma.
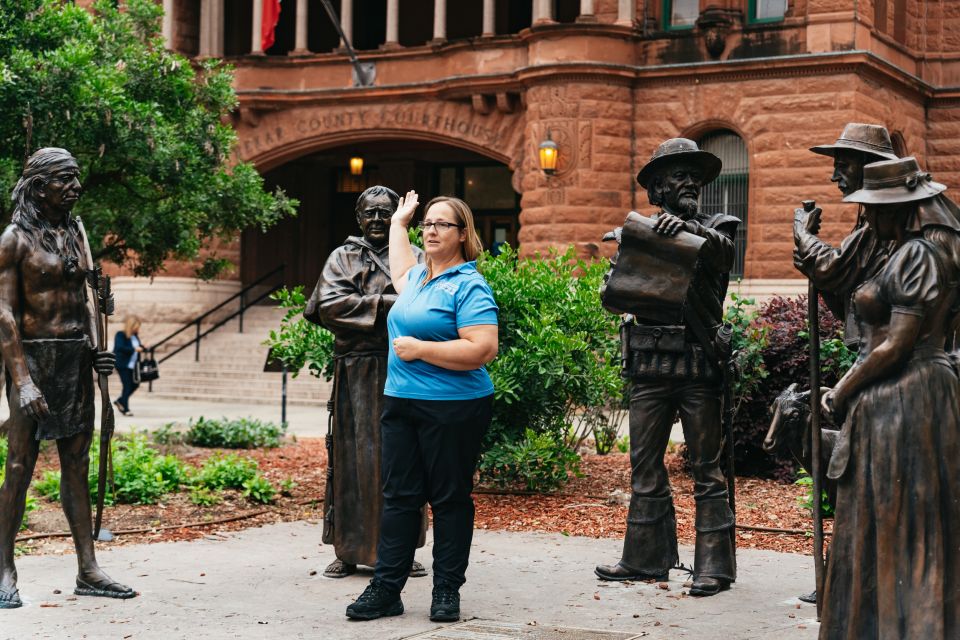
x: 894, y: 567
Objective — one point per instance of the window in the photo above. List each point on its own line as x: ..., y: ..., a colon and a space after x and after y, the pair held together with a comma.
x: 729, y: 192
x: 680, y: 14
x: 767, y: 10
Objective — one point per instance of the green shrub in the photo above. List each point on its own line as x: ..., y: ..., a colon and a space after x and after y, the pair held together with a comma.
x: 558, y: 368
x: 259, y: 489
x: 141, y: 475
x: 242, y: 433
x: 300, y: 343
x: 203, y: 497
x: 48, y: 486
x: 226, y: 471
x: 776, y: 341
x: 538, y: 461
x: 167, y: 435
x: 806, y: 500
x: 287, y: 486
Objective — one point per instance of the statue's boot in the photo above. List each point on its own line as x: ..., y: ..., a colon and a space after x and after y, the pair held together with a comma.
x: 339, y: 569
x: 10, y: 598
x: 650, y: 544
x: 417, y: 570
x: 714, y: 563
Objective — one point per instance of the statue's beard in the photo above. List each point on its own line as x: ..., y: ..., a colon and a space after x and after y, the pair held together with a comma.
x: 687, y: 207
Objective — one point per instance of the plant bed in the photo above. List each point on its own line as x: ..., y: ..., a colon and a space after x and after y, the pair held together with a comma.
x: 583, y: 507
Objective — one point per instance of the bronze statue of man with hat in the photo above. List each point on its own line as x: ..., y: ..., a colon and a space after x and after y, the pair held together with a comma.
x: 669, y: 279
x: 836, y: 272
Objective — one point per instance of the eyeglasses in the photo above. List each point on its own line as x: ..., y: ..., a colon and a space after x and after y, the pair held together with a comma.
x: 440, y: 225
x: 372, y: 214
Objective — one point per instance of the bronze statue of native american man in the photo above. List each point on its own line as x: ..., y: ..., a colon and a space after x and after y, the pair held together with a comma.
x: 46, y: 339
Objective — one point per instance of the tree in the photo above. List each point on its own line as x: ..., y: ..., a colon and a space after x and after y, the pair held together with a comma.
x: 147, y: 126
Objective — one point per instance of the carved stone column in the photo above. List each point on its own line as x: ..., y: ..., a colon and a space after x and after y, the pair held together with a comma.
x: 256, y: 35
x: 211, y: 28
x: 393, y: 24
x: 300, y: 41
x: 626, y: 12
x: 489, y: 18
x: 439, y: 20
x: 167, y: 28
x: 542, y: 11
x: 346, y: 19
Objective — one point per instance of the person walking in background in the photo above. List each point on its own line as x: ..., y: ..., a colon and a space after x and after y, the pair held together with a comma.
x: 437, y: 406
x: 127, y: 348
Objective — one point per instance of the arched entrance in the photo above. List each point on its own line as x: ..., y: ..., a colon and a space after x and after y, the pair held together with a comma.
x: 327, y: 192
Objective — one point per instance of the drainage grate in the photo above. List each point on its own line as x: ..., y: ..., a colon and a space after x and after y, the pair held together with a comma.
x: 488, y: 630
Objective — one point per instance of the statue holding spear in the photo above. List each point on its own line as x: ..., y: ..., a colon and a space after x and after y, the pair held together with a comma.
x: 47, y: 335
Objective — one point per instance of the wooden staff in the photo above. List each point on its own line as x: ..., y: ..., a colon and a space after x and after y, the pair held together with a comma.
x: 813, y: 314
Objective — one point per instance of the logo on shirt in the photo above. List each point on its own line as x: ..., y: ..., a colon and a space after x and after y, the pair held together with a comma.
x: 449, y: 287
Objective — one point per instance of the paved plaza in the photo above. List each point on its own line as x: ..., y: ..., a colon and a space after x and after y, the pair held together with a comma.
x: 267, y: 582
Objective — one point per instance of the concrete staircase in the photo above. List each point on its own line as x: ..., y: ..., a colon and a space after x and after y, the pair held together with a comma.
x: 231, y: 363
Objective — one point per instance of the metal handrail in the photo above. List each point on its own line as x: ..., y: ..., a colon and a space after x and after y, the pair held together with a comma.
x: 244, y: 304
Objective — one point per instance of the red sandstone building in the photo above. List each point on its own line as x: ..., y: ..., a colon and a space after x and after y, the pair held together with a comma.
x: 465, y: 92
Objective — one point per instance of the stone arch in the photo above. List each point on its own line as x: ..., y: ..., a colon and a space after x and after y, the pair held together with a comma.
x: 276, y: 157
x: 269, y: 139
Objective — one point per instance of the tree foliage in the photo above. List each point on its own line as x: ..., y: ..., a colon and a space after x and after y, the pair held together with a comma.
x: 147, y: 126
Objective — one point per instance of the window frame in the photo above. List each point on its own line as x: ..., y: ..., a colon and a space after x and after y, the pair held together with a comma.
x: 752, y: 14
x: 667, y: 7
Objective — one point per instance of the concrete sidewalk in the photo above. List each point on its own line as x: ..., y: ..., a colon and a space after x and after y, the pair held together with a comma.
x: 267, y: 582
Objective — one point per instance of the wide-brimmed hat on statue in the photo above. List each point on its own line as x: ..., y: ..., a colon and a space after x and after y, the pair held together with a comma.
x: 895, y: 181
x: 680, y: 149
x: 868, y: 138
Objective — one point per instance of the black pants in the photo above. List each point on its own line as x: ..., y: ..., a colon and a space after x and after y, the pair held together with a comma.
x: 129, y: 386
x: 429, y: 451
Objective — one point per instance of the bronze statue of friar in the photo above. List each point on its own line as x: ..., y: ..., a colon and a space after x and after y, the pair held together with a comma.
x: 351, y: 299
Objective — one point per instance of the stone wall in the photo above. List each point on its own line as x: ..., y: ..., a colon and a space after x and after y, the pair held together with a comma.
x: 593, y: 188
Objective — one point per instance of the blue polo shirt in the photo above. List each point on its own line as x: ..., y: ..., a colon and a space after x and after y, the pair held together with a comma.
x: 458, y: 297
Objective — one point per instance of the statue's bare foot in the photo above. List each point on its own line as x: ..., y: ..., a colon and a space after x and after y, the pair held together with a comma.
x: 417, y: 570
x: 9, y: 596
x: 97, y: 583
x: 339, y: 569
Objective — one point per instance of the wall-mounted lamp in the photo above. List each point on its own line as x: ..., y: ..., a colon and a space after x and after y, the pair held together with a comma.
x: 548, y: 155
x: 356, y: 165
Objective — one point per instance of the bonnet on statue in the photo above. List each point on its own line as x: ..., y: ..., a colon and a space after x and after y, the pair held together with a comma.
x: 902, y: 181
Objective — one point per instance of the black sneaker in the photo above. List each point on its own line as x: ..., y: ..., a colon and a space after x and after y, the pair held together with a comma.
x: 375, y: 602
x: 446, y: 604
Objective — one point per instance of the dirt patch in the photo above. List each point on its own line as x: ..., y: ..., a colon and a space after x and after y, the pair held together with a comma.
x: 594, y: 505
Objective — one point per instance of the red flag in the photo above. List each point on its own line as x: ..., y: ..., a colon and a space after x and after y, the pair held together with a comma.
x: 271, y: 15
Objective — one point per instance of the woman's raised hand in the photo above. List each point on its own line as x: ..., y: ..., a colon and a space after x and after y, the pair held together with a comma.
x: 406, y: 208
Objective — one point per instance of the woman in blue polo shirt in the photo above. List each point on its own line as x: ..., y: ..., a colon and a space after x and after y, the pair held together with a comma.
x: 437, y: 405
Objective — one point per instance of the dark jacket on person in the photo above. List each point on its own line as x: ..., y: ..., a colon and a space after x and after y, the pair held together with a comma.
x: 123, y: 349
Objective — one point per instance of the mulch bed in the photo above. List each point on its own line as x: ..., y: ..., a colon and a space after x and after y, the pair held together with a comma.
x: 593, y: 505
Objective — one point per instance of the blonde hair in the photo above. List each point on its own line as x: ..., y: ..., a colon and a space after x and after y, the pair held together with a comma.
x: 131, y: 325
x: 472, y: 247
